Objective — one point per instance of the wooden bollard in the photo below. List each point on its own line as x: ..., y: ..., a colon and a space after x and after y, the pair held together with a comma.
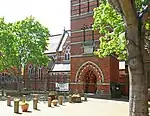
x: 2, y: 91
x: 16, y: 106
x: 24, y: 98
x: 60, y: 98
x: 36, y: 96
x: 70, y: 98
x: 49, y: 101
x: 35, y: 103
x: 85, y: 97
x: 9, y: 101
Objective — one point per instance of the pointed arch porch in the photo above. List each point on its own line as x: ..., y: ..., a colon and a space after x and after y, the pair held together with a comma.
x: 89, y: 66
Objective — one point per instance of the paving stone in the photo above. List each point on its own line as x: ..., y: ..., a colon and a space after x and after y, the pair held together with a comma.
x: 92, y: 107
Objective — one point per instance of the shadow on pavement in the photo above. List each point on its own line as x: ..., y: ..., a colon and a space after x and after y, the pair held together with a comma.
x: 18, y: 113
x: 28, y: 112
x: 37, y: 109
x: 123, y: 98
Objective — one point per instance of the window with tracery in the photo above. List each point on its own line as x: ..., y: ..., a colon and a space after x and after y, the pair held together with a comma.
x: 29, y: 70
x: 40, y: 72
x: 67, y: 53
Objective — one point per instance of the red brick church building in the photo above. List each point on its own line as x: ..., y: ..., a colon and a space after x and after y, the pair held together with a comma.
x: 89, y: 73
x: 74, y: 61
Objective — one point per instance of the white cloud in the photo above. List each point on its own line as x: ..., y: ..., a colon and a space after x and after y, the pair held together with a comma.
x: 54, y: 14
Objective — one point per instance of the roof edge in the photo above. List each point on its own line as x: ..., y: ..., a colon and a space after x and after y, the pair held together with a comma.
x: 55, y: 35
x: 65, y: 32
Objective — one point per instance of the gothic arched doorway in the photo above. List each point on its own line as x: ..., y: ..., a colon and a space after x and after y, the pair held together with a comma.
x: 90, y: 82
x: 89, y: 75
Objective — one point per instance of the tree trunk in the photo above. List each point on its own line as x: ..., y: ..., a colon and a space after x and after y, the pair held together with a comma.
x: 18, y: 78
x: 138, y: 98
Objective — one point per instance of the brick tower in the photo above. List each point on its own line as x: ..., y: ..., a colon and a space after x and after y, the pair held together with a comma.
x: 89, y: 73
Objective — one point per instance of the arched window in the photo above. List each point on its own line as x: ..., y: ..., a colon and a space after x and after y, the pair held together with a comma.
x: 40, y: 72
x: 67, y: 53
x: 29, y: 70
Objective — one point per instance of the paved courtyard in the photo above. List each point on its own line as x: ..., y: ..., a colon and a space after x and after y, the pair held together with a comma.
x: 93, y: 107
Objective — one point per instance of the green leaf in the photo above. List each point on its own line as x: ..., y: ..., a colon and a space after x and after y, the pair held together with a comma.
x: 22, y: 42
x: 111, y: 24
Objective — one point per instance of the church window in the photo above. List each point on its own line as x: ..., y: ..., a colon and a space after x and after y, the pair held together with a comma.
x: 29, y: 71
x: 39, y: 72
x: 67, y: 53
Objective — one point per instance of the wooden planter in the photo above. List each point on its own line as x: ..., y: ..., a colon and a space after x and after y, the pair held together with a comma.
x: 52, y: 97
x: 55, y: 102
x: 24, y: 107
x: 76, y: 98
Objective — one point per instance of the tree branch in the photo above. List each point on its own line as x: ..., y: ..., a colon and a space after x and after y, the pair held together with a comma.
x: 145, y: 15
x: 149, y: 9
x: 116, y: 5
x: 133, y: 5
x: 128, y: 12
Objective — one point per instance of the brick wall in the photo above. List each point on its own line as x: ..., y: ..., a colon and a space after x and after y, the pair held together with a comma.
x: 114, y: 70
x: 79, y: 7
x: 81, y: 21
x: 104, y: 65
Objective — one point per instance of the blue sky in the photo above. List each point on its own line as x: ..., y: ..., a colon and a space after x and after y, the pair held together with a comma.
x: 54, y: 14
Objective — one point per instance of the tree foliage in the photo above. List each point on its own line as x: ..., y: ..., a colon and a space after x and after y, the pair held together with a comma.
x: 125, y: 24
x: 22, y: 42
x: 111, y: 25
x: 139, y: 4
